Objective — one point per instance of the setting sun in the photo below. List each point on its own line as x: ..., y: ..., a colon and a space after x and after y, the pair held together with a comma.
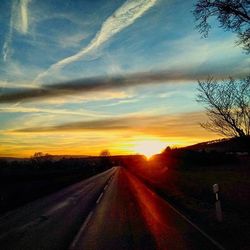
x: 149, y: 147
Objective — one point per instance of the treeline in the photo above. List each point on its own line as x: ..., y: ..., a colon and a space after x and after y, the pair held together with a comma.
x: 189, y: 159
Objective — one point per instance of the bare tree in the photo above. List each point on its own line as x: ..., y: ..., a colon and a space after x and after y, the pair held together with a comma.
x: 232, y: 15
x: 227, y: 106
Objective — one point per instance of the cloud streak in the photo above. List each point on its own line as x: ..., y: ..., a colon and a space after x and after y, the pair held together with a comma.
x: 120, y: 19
x: 6, y: 51
x: 24, y: 15
x: 19, y: 20
x: 87, y: 85
x: 184, y: 124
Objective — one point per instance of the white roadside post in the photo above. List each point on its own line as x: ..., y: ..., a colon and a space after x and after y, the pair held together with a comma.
x: 217, y: 203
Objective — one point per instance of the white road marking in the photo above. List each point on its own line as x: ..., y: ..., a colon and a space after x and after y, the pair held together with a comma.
x: 99, y: 198
x: 76, y: 239
x: 110, y: 179
x: 73, y: 244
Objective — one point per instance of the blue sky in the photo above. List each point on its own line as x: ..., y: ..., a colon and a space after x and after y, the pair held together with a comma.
x: 44, y: 43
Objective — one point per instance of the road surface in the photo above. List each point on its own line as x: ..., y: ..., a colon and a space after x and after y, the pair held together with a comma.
x: 112, y: 210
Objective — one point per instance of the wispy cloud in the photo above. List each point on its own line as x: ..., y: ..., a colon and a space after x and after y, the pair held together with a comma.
x: 20, y: 109
x: 70, y: 41
x: 120, y: 19
x: 20, y: 12
x: 24, y: 16
x: 19, y: 20
x: 8, y: 39
x: 126, y: 101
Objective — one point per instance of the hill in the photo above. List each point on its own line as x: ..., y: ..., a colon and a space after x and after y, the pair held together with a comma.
x: 233, y: 145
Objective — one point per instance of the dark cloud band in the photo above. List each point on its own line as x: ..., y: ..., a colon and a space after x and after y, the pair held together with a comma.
x: 101, y: 84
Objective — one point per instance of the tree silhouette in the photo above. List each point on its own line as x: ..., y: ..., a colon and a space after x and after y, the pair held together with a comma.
x: 39, y: 158
x: 227, y: 106
x: 232, y: 15
x: 105, y: 159
x: 105, y: 153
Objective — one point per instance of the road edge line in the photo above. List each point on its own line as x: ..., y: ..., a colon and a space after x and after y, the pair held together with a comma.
x: 217, y: 244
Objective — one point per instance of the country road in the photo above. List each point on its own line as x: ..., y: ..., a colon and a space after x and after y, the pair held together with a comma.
x: 112, y: 210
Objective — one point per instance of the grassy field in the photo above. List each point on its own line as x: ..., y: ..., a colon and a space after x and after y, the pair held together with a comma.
x: 190, y: 191
x: 197, y: 199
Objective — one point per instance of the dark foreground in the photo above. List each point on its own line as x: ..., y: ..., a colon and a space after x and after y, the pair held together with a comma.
x: 112, y: 210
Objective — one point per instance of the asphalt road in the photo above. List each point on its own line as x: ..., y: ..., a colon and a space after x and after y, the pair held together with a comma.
x: 112, y: 210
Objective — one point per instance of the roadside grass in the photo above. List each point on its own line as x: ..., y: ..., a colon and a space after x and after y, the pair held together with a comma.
x: 198, y: 199
x: 190, y: 191
x: 234, y: 187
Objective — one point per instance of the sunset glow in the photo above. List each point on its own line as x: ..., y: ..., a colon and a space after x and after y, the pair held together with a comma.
x: 149, y: 147
x: 79, y: 77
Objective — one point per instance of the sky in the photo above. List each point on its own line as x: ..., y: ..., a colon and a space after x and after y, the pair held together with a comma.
x: 78, y: 76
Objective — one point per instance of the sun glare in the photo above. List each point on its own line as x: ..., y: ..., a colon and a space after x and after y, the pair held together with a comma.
x: 149, y: 147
